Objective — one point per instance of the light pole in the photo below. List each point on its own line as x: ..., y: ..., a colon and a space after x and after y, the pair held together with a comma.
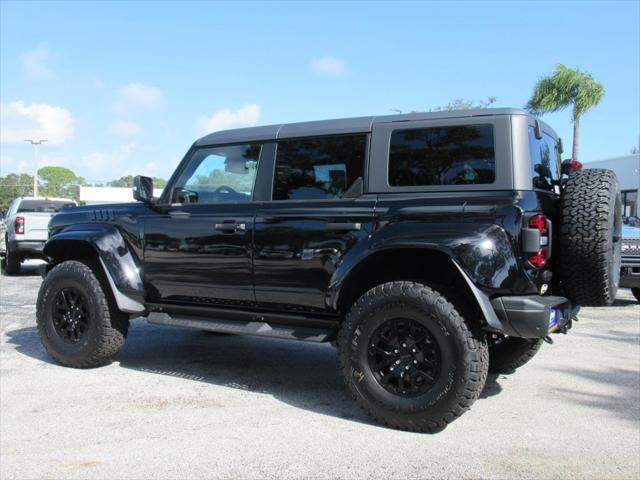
x: 36, y: 153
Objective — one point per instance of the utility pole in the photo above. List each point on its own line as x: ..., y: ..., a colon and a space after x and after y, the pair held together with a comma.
x: 36, y: 154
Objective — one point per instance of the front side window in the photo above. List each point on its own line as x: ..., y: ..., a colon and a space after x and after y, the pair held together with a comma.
x: 218, y: 175
x: 319, y: 167
x: 455, y: 155
x: 545, y: 161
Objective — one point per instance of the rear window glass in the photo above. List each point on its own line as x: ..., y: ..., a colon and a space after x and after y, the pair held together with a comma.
x: 456, y: 155
x: 42, y: 205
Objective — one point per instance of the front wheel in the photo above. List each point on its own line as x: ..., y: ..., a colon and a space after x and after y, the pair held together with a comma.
x: 78, y: 322
x: 410, y: 359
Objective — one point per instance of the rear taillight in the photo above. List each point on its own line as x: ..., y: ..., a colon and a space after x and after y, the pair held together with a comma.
x: 539, y: 259
x: 19, y: 225
x: 541, y: 224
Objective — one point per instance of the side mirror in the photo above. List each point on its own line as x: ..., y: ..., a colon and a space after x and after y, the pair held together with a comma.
x: 143, y: 189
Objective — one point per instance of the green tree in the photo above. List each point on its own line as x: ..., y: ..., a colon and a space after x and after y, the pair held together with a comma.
x: 14, y: 185
x: 127, y: 181
x: 59, y: 182
x: 460, y: 104
x: 563, y: 88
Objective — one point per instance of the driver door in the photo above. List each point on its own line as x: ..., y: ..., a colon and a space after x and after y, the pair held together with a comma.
x: 198, y: 248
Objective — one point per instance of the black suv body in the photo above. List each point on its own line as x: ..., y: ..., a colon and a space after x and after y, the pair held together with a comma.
x: 297, y: 230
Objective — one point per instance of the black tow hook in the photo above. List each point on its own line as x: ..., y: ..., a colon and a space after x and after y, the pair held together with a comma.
x: 548, y: 339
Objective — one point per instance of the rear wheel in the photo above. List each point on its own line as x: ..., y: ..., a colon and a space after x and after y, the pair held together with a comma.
x: 11, y: 261
x: 410, y: 359
x: 506, y: 354
x: 590, y: 234
x: 77, y: 318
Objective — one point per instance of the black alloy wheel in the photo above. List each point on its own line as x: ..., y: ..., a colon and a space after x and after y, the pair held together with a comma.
x: 404, y: 357
x: 70, y: 314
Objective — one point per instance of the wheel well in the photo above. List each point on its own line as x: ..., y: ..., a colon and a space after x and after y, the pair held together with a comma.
x: 63, y: 250
x: 424, y: 265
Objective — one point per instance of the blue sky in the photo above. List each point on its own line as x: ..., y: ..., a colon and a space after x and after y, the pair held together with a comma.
x: 123, y: 88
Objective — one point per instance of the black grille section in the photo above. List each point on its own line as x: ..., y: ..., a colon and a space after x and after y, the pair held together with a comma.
x: 630, y: 247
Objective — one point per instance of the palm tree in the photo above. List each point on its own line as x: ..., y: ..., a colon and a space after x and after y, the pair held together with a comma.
x: 566, y: 87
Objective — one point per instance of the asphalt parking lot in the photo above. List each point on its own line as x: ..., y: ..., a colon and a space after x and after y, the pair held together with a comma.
x: 183, y: 404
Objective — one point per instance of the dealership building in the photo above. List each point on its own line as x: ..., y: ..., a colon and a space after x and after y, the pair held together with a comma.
x: 627, y: 170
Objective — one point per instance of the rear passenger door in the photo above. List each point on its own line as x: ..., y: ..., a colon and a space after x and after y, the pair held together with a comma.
x: 315, y: 217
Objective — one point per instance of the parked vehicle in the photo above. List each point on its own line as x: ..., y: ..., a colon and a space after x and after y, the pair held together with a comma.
x: 26, y: 228
x: 630, y: 274
x: 431, y: 247
x: 3, y: 240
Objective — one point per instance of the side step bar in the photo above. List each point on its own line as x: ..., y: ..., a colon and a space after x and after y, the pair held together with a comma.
x: 262, y: 329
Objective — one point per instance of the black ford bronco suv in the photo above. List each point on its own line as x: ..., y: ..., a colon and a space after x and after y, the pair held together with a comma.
x: 430, y: 247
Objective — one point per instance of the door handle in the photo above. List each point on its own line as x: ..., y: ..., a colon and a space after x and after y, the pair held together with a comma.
x: 231, y: 227
x: 343, y: 226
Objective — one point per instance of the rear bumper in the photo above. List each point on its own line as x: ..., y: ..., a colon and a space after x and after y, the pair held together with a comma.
x: 529, y: 316
x: 630, y: 272
x: 27, y: 248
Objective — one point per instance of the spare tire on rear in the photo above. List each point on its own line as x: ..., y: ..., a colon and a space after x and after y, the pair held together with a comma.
x: 590, y: 234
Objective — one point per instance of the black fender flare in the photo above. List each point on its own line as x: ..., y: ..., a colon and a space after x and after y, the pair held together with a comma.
x: 343, y: 273
x: 120, y: 264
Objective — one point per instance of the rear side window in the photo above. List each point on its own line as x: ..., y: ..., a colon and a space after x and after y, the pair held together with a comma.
x: 319, y: 167
x: 545, y: 161
x: 456, y: 155
x: 48, y: 206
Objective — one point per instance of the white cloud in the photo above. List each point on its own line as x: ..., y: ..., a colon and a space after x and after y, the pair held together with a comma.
x: 34, y: 63
x: 101, y: 165
x: 125, y: 128
x: 328, y: 65
x: 245, y: 116
x: 137, y: 96
x: 36, y: 121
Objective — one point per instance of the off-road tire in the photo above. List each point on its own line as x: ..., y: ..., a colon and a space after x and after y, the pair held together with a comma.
x: 11, y: 262
x: 590, y: 234
x: 509, y: 353
x: 107, y: 326
x: 636, y: 293
x: 463, y: 348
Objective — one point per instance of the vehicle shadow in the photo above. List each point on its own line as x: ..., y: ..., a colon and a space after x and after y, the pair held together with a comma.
x: 491, y: 386
x: 623, y: 302
x: 303, y: 375
x: 28, y: 269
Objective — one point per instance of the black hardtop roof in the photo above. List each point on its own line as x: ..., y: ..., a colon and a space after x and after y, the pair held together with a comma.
x: 339, y: 126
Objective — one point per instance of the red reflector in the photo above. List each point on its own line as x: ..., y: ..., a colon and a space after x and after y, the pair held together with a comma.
x: 539, y: 260
x: 19, y: 225
x: 539, y: 222
x: 575, y: 165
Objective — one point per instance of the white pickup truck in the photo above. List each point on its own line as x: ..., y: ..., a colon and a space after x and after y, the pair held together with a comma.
x: 27, y: 228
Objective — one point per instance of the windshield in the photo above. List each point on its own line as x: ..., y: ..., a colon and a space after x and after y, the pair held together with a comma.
x: 47, y: 206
